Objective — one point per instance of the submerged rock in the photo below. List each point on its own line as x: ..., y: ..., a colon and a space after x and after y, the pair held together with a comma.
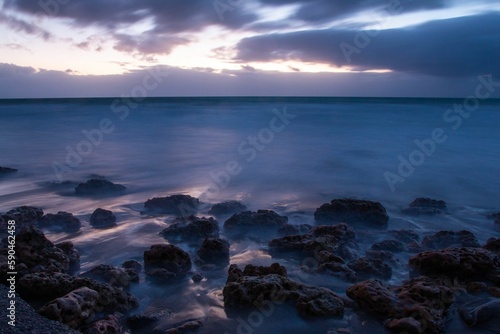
x: 389, y: 245
x: 352, y: 211
x: 173, y: 261
x: 62, y: 220
x: 227, y: 208
x: 445, y: 239
x: 214, y: 250
x: 132, y: 264
x: 290, y: 229
x: 119, y: 277
x: 405, y: 235
x: 192, y: 227
x: 425, y: 206
x: 102, y: 218
x: 368, y: 267
x: 7, y: 170
x: 99, y: 187
x: 180, y: 205
x: 480, y: 311
x: 262, y: 219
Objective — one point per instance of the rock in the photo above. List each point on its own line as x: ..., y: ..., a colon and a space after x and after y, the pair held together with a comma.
x: 479, y: 311
x: 460, y: 263
x: 160, y: 275
x: 132, y: 264
x: 62, y: 220
x: 74, y: 309
x: 262, y: 219
x: 180, y: 205
x: 167, y: 257
x: 73, y: 256
x: 400, y: 304
x: 414, y: 247
x: 493, y: 244
x: 257, y: 286
x: 38, y: 253
x: 192, y: 227
x: 48, y: 286
x: 405, y: 235
x: 108, y: 325
x: 7, y: 170
x: 142, y: 320
x: 188, y: 326
x: 352, y: 211
x: 114, y: 276
x: 368, y: 268
x: 197, y: 277
x: 389, y: 245
x: 98, y: 187
x: 445, y: 239
x: 227, y: 208
x: 425, y: 206
x: 383, y: 255
x: 101, y: 218
x: 337, y: 268
x: 23, y: 216
x: 290, y: 229
x: 214, y: 250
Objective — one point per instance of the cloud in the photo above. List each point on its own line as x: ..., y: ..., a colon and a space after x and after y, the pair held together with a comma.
x: 25, y: 27
x: 464, y: 46
x: 148, y: 44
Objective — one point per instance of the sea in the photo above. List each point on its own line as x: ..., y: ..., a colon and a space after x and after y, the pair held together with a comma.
x: 289, y: 155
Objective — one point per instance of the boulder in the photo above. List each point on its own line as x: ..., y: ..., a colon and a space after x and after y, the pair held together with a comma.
x: 99, y: 187
x: 132, y: 264
x: 368, y: 267
x: 405, y: 236
x: 112, y: 275
x: 180, y: 205
x: 61, y: 220
x: 493, y: 244
x: 23, y: 216
x: 75, y: 309
x: 389, y: 245
x: 214, y: 250
x: 386, y: 256
x: 262, y: 219
x: 352, y: 211
x: 73, y: 256
x: 169, y: 258
x: 102, y: 218
x: 425, y: 206
x: 227, y: 208
x: 192, y: 227
x: 446, y: 239
x: 290, y: 229
x: 108, y: 325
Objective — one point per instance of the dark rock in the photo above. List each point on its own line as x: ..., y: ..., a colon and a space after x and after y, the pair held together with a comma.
x: 479, y: 311
x: 114, y: 276
x: 75, y: 309
x: 493, y: 244
x: 461, y: 263
x: 23, y: 216
x: 414, y: 247
x: 422, y: 299
x: 383, y: 255
x: 255, y: 286
x: 352, y: 211
x: 160, y: 275
x: 197, y: 277
x: 48, y: 286
x: 425, y: 206
x: 334, y: 267
x: 7, y: 170
x: 73, y: 256
x: 167, y: 257
x: 262, y: 219
x: 476, y: 287
x: 214, y: 250
x: 132, y: 264
x: 108, y: 325
x: 445, y: 239
x: 405, y: 235
x: 367, y: 268
x: 192, y: 227
x: 98, y: 187
x: 180, y: 205
x: 290, y: 229
x: 389, y: 245
x: 101, y: 218
x: 227, y: 208
x: 62, y: 220
x: 139, y: 321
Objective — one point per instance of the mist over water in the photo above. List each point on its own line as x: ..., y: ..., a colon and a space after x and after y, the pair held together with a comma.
x: 329, y: 149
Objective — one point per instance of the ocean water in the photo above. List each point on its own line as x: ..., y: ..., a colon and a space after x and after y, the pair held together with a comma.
x: 286, y: 154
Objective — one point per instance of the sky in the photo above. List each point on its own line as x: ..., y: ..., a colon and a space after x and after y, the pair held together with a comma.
x: 109, y: 48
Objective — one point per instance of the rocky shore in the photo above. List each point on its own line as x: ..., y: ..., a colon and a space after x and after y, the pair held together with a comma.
x: 445, y: 270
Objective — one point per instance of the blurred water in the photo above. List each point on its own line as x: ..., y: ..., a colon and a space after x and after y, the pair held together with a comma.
x: 329, y: 148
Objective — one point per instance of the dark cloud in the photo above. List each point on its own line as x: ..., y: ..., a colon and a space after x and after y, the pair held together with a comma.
x: 454, y: 47
x: 25, y: 27
x: 148, y: 44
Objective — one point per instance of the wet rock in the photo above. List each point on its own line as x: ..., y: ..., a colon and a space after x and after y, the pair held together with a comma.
x: 493, y: 244
x: 180, y: 205
x: 414, y: 247
x: 192, y: 227
x: 227, y: 208
x: 352, y: 211
x: 99, y: 187
x: 405, y: 235
x: 445, y: 239
x: 73, y: 256
x: 262, y: 219
x: 108, y: 325
x: 389, y: 245
x: 132, y: 264
x: 214, y: 250
x: 335, y: 266
x: 62, y: 220
x: 383, y: 255
x: 290, y: 229
x: 112, y: 275
x: 74, y: 309
x: 422, y: 299
x: 38, y: 253
x: 461, y: 263
x: 187, y: 327
x: 368, y: 268
x: 23, y: 216
x: 425, y: 206
x: 101, y: 218
x: 197, y: 277
x: 7, y: 170
x: 479, y: 311
x: 48, y: 286
x: 476, y: 287
x: 142, y: 320
x: 170, y: 258
x: 256, y: 286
